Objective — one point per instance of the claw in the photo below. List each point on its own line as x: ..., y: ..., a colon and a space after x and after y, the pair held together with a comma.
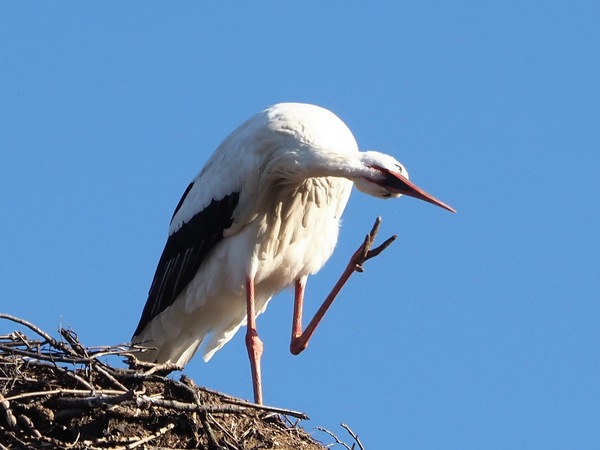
x: 364, y: 252
x: 376, y: 251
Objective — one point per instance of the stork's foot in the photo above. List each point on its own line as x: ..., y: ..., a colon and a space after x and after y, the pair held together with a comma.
x: 364, y: 252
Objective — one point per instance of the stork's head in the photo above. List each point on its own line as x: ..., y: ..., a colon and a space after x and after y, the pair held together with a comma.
x: 309, y: 141
x: 384, y: 177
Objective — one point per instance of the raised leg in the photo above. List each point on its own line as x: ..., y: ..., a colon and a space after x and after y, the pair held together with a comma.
x: 300, y: 339
x: 253, y: 342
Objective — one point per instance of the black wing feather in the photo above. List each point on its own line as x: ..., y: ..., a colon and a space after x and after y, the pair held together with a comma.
x: 184, y: 252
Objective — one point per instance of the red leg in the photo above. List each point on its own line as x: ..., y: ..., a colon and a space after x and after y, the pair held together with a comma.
x: 300, y: 339
x: 253, y: 342
x: 297, y: 318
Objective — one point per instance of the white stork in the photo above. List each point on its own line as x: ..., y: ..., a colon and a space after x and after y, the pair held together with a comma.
x: 263, y: 214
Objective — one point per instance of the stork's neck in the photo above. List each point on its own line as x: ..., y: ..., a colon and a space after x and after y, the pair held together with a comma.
x: 298, y: 164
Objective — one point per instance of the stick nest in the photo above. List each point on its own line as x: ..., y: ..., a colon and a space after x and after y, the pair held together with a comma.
x: 59, y: 394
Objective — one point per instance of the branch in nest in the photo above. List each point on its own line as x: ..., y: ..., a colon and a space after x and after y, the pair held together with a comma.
x: 51, y: 341
x: 9, y: 417
x: 338, y: 441
x: 354, y: 436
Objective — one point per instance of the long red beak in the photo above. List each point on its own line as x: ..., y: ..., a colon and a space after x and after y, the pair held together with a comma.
x: 403, y: 186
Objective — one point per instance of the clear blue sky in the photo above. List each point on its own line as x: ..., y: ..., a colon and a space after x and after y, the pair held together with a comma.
x: 475, y: 330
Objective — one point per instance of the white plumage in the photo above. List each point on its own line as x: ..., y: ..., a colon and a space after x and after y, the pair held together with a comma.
x: 264, y: 210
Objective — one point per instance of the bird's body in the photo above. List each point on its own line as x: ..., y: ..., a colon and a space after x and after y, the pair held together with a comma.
x: 291, y: 224
x: 263, y: 214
